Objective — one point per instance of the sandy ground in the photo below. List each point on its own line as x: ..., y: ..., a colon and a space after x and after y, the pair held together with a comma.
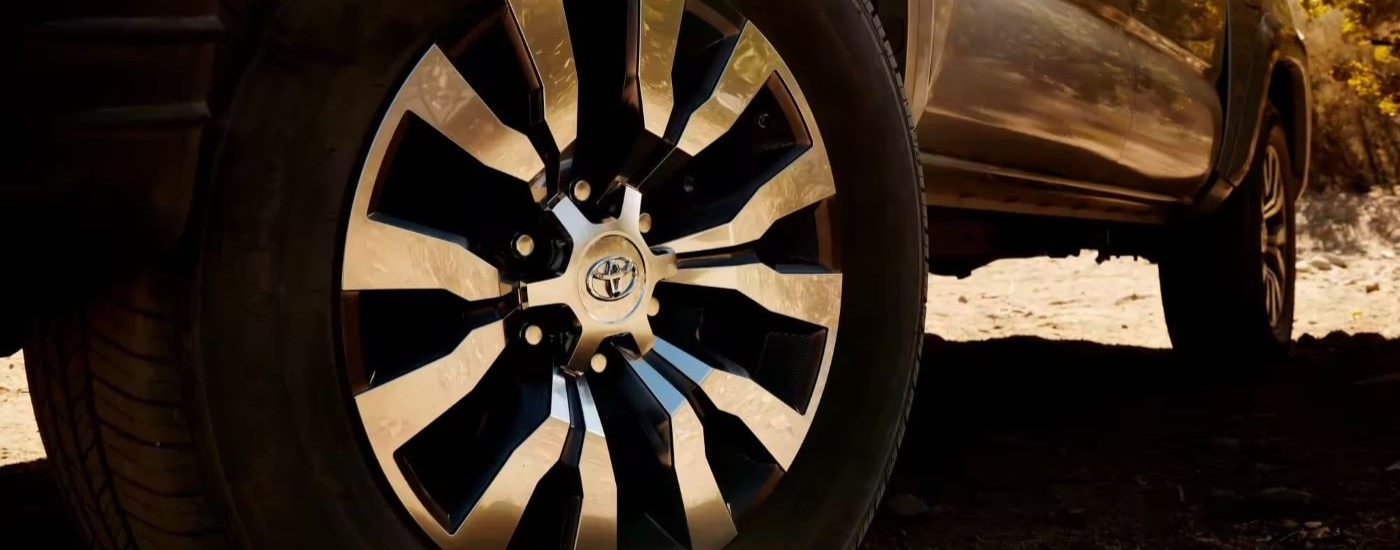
x: 1103, y: 444
x: 19, y: 437
x: 1349, y: 280
x: 1119, y: 302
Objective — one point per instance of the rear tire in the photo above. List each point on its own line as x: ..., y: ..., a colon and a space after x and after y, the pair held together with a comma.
x: 1228, y: 280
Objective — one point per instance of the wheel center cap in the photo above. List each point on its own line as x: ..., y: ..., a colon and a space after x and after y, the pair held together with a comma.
x: 613, y: 285
x: 612, y: 278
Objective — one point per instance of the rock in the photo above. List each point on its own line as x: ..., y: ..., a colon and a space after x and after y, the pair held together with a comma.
x: 1320, y: 264
x: 1335, y: 260
x: 1071, y: 519
x: 1312, y: 524
x: 1303, y: 268
x: 906, y: 505
x: 1373, y: 287
x: 1289, y: 524
x: 1393, y: 467
x: 1228, y: 443
x: 1282, y: 497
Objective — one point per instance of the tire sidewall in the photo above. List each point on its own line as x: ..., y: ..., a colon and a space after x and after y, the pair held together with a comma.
x: 291, y: 460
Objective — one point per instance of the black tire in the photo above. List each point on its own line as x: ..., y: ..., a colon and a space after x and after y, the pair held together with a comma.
x: 116, y: 421
x: 1213, y: 294
x: 206, y: 407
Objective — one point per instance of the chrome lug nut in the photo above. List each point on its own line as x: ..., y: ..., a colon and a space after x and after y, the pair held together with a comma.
x: 582, y: 190
x: 533, y: 334
x: 598, y: 363
x: 524, y: 245
x: 644, y: 223
x: 653, y: 307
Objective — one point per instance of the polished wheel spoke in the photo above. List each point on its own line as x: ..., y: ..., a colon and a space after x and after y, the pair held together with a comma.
x: 810, y: 297
x: 493, y: 519
x: 706, y: 512
x: 380, y: 256
x: 1273, y: 296
x: 799, y: 185
x: 398, y: 409
x: 598, y: 515
x: 750, y: 65
x: 439, y: 95
x: 777, y: 426
x: 1275, y: 237
x: 545, y: 30
x: 658, y: 32
x: 1273, y: 193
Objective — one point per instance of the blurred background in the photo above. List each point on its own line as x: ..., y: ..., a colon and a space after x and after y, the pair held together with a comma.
x: 1354, y: 46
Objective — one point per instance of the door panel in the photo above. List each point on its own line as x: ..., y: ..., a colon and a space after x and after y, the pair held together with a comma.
x: 1178, y: 47
x: 1039, y: 85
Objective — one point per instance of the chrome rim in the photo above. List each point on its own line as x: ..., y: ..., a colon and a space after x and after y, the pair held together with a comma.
x: 1273, y: 236
x: 594, y: 332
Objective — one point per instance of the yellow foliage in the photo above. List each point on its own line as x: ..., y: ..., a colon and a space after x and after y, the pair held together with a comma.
x: 1383, y: 54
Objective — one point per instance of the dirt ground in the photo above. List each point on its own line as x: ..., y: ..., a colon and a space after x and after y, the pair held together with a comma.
x: 1050, y: 415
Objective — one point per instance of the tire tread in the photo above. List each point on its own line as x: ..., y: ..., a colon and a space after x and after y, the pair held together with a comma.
x: 916, y: 353
x: 107, y: 393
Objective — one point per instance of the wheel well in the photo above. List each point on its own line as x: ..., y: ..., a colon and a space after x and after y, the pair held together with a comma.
x: 1285, y: 89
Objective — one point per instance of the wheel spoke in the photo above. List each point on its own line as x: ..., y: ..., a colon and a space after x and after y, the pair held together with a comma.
x: 569, y: 216
x: 380, y: 256
x: 545, y: 30
x: 1273, y: 205
x: 597, y: 527
x: 706, y: 512
x: 1276, y: 236
x: 1273, y: 294
x: 438, y: 94
x: 811, y: 297
x: 750, y: 65
x: 658, y: 33
x: 776, y: 425
x: 1273, y: 186
x: 799, y: 185
x: 400, y: 408
x: 493, y: 518
x: 1274, y: 262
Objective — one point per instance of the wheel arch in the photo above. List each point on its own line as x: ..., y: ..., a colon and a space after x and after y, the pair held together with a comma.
x: 1289, y: 93
x: 1266, y: 64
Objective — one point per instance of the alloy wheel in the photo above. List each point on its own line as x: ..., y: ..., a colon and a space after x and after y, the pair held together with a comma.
x: 1273, y: 236
x: 590, y: 289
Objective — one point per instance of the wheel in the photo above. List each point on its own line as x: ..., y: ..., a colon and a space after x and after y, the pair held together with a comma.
x: 520, y: 274
x: 1227, y: 285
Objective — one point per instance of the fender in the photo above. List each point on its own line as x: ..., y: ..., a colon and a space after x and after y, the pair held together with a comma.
x: 1268, y: 62
x: 112, y: 114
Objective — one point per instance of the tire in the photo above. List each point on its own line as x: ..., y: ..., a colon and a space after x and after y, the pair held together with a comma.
x: 1215, y: 300
x: 213, y: 404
